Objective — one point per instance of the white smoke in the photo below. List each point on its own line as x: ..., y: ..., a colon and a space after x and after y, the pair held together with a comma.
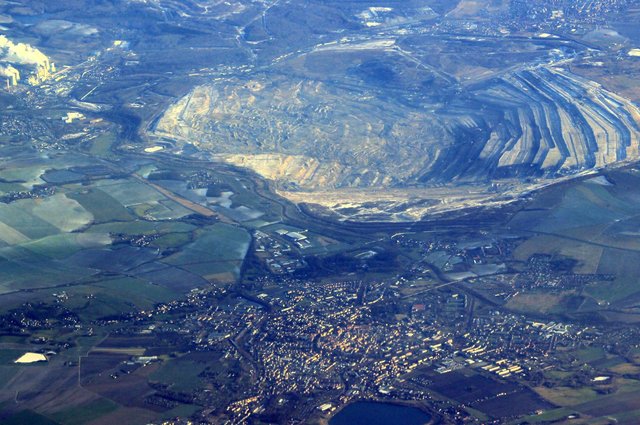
x: 10, y: 72
x: 21, y: 53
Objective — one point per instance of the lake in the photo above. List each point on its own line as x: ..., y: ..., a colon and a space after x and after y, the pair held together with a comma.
x: 372, y: 413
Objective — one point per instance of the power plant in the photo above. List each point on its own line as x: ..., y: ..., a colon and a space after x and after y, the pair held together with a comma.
x: 42, y: 73
x: 11, y: 73
x: 23, y: 55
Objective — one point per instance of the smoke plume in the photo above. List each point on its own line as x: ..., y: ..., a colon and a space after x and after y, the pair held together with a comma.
x: 21, y: 53
x: 9, y: 71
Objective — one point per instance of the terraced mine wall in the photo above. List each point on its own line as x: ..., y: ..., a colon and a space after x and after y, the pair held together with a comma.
x: 539, y: 122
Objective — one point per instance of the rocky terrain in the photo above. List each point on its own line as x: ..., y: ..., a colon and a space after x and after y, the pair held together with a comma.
x: 412, y: 99
x: 308, y: 135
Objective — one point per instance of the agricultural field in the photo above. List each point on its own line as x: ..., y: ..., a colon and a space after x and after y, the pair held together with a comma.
x: 575, y: 391
x: 110, y: 246
x: 245, y: 212
x: 494, y: 398
x: 216, y: 253
x: 180, y: 374
x: 129, y: 192
x: 539, y: 302
x: 592, y: 406
x: 87, y: 229
x: 84, y: 413
x: 102, y: 206
x: 594, y: 225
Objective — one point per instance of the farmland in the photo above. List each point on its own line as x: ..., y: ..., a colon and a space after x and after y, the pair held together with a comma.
x: 263, y: 212
x: 108, y: 225
x: 114, y: 243
x: 195, y: 239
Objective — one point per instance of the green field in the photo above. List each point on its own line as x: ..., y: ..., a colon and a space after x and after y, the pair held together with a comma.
x: 546, y: 417
x: 10, y: 187
x: 625, y: 266
x: 181, y: 375
x: 115, y: 296
x: 26, y: 176
x: 538, y: 302
x: 620, y: 402
x: 167, y: 210
x: 28, y: 417
x: 217, y: 249
x: 17, y: 215
x: 101, y: 145
x: 182, y: 410
x: 558, y: 210
x: 143, y: 294
x: 597, y: 226
x: 588, y: 355
x: 104, y: 208
x: 64, y: 213
x: 172, y: 240
x: 6, y: 373
x: 8, y: 356
x: 565, y: 396
x: 129, y: 192
x: 85, y: 413
x: 67, y: 244
x: 20, y: 275
x: 141, y: 227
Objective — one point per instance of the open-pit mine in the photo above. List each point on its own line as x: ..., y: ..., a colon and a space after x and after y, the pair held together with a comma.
x: 339, y: 146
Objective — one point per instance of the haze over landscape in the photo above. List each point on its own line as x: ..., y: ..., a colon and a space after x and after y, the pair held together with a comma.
x: 319, y: 211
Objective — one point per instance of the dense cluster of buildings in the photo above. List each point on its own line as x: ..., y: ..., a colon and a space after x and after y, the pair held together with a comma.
x: 327, y: 344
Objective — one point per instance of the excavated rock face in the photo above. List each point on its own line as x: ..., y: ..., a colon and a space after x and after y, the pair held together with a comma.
x: 539, y: 122
x: 557, y: 122
x: 308, y: 134
x: 441, y: 104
